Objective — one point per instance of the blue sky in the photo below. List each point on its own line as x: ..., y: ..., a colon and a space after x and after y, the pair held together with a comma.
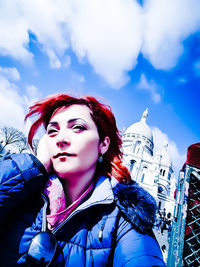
x: 134, y: 54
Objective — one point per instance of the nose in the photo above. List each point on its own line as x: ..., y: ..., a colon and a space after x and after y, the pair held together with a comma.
x: 63, y: 140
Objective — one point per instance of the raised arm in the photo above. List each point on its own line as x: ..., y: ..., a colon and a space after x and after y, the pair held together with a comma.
x: 21, y: 175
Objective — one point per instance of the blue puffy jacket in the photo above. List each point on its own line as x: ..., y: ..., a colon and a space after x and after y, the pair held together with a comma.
x: 111, y: 227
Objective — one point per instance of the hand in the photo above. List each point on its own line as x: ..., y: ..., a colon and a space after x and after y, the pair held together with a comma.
x: 43, y: 154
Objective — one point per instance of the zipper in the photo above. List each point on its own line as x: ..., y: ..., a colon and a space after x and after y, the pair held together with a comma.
x: 78, y: 211
x: 44, y: 213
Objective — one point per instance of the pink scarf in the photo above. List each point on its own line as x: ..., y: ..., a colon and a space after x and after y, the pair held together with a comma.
x: 58, y: 210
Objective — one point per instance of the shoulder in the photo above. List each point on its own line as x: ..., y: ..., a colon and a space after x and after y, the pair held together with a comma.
x: 15, y: 164
x: 135, y: 240
x: 136, y: 205
x: 21, y: 176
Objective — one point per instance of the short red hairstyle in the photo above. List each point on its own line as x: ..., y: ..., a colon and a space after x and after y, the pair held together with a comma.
x: 104, y: 120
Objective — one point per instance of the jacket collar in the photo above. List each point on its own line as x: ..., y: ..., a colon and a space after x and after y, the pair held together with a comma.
x: 102, y: 193
x: 135, y: 204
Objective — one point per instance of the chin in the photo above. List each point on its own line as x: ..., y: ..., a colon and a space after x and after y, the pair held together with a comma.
x: 64, y: 173
x: 62, y: 169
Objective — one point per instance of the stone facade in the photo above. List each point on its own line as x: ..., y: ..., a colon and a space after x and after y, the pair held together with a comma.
x: 154, y: 172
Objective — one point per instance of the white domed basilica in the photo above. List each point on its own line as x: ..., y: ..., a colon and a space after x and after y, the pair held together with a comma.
x: 152, y: 171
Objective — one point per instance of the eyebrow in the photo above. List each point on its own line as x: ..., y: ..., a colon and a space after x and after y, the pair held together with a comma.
x: 55, y: 123
x: 52, y: 123
x: 76, y: 119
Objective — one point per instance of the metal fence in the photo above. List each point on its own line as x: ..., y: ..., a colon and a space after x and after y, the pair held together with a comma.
x: 184, y: 247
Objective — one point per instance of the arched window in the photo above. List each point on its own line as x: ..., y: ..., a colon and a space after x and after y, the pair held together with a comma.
x: 142, y: 178
x: 162, y: 190
x: 137, y: 147
x: 144, y: 173
x: 132, y: 163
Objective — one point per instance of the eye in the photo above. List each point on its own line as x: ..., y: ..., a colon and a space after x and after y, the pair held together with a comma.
x: 78, y: 127
x: 51, y: 131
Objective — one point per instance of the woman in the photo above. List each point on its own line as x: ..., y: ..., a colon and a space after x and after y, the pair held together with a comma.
x: 75, y: 204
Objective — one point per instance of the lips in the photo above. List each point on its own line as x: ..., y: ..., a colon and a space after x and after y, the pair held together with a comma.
x: 64, y: 154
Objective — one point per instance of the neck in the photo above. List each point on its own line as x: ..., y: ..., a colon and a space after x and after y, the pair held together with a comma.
x: 75, y: 186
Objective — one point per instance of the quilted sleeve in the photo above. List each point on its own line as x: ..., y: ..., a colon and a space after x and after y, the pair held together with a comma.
x: 135, y: 249
x: 21, y: 175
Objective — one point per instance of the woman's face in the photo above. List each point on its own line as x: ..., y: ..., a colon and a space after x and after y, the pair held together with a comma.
x: 73, y: 142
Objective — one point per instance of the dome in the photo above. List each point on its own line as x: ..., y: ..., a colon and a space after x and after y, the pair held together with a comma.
x: 141, y: 128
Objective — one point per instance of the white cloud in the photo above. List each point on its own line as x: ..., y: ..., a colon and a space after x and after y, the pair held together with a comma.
x: 149, y: 86
x: 10, y: 73
x: 14, y: 35
x: 66, y: 61
x: 32, y: 95
x: 166, y: 24
x: 53, y: 59
x: 177, y: 158
x: 11, y: 105
x: 109, y: 34
x: 42, y: 18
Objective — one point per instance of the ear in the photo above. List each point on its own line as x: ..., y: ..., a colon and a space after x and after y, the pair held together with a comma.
x: 104, y: 145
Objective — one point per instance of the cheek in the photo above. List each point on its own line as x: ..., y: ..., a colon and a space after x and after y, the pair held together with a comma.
x: 91, y: 147
x: 50, y: 147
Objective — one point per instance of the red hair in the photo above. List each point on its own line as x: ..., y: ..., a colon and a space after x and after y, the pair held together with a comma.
x: 104, y: 120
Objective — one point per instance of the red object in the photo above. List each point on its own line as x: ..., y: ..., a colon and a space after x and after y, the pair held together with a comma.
x: 193, y: 155
x: 175, y: 192
x: 193, y: 159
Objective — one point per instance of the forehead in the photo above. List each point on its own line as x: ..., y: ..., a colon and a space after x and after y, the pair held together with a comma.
x: 72, y: 112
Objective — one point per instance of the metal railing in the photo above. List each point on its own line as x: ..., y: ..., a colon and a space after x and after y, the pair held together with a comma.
x: 184, y: 247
